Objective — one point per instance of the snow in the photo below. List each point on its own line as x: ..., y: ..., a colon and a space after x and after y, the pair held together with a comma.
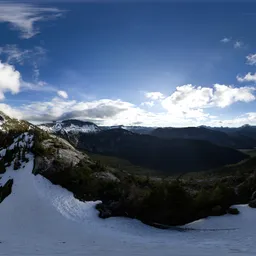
x: 40, y: 218
x: 59, y: 127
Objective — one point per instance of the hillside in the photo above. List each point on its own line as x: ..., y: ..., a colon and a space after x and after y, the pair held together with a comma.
x: 235, y: 139
x: 40, y: 218
x: 170, y: 156
x: 153, y: 201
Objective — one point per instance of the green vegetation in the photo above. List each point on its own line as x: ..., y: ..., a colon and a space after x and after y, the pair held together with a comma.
x: 123, y: 164
x: 39, y: 137
x: 154, y: 201
x: 233, y: 211
x: 250, y: 152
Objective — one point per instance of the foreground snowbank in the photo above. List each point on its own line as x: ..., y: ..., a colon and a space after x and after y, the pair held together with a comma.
x: 39, y: 218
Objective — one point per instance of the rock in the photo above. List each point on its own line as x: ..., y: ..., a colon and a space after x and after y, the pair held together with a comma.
x: 62, y: 151
x: 233, y: 211
x: 252, y: 203
x: 217, y: 211
x: 106, y: 176
x: 104, y: 211
x: 110, y: 209
x: 253, y: 197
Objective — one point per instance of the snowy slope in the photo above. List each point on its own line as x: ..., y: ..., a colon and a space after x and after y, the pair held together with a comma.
x: 40, y: 218
x: 70, y: 126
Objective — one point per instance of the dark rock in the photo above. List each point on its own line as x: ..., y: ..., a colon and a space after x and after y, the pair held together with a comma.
x: 217, y: 211
x: 252, y: 203
x: 104, y: 211
x: 6, y: 190
x: 233, y: 211
x: 253, y: 197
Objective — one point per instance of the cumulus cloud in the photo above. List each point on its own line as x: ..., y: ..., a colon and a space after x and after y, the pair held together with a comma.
x: 116, y: 112
x: 62, y: 94
x: 154, y: 95
x: 102, y: 112
x: 10, y: 79
x: 23, y: 17
x: 249, y: 77
x: 59, y: 109
x: 189, y: 97
x: 225, y: 95
x: 251, y: 59
x: 225, y: 40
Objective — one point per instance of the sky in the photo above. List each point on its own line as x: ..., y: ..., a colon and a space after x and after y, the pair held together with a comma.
x: 170, y: 63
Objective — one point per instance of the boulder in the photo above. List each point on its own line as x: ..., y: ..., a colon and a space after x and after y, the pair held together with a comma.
x: 104, y: 211
x: 233, y: 211
x: 252, y: 203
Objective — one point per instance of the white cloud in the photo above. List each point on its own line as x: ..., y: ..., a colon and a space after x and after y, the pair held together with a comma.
x: 225, y: 40
x: 116, y: 112
x: 10, y: 79
x: 103, y: 112
x: 238, y: 44
x: 251, y: 59
x: 11, y: 111
x: 13, y: 54
x: 62, y: 94
x: 23, y: 17
x: 154, y: 95
x: 249, y: 77
x: 247, y: 118
x: 188, y: 97
x: 191, y: 100
x: 225, y: 95
x: 148, y: 103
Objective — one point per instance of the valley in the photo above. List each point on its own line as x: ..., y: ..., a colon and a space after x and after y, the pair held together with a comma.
x: 45, y: 174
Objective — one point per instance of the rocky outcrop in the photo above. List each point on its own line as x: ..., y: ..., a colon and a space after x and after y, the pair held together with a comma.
x: 57, y: 149
x: 252, y: 203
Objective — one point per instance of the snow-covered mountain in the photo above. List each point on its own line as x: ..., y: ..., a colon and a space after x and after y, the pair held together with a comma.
x: 70, y: 126
x: 135, y: 129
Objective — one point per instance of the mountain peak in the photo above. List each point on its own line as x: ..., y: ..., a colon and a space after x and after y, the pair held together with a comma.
x: 70, y: 126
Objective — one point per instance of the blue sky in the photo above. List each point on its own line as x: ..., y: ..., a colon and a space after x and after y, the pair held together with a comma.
x: 148, y: 63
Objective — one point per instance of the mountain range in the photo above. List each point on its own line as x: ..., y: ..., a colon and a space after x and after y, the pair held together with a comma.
x: 169, y: 150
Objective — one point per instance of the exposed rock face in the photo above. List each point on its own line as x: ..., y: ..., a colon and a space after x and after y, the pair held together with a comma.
x: 59, y: 150
x: 107, y: 176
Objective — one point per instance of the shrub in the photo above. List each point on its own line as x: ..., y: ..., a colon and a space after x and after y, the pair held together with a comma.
x: 233, y: 211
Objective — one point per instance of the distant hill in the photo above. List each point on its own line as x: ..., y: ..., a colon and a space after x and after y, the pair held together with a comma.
x: 171, y: 156
x: 136, y: 129
x: 240, y: 139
